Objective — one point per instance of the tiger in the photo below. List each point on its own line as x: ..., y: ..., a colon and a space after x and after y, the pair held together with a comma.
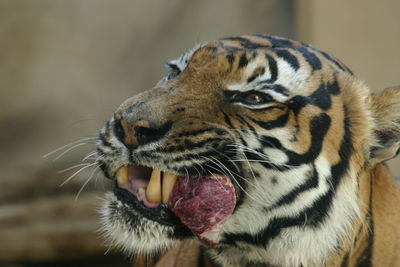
x: 254, y: 150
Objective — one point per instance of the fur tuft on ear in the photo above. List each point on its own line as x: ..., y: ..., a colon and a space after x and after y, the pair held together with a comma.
x: 385, y: 109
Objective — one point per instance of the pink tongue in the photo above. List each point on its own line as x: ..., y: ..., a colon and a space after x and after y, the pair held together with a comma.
x: 202, y: 204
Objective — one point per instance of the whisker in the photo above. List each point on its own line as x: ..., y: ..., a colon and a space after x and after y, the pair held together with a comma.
x: 101, y: 198
x: 70, y: 144
x: 199, y: 174
x: 274, y: 167
x: 69, y: 149
x: 228, y: 158
x: 226, y: 174
x: 87, y: 181
x: 256, y: 185
x: 252, y: 160
x: 218, y: 170
x: 89, y: 155
x: 213, y: 159
x: 187, y: 173
x: 96, y: 178
x: 239, y: 185
x: 77, y: 172
x: 238, y: 173
x: 108, y: 250
x: 263, y: 156
x: 73, y: 167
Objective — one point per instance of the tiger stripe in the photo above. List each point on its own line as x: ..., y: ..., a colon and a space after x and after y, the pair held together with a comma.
x: 301, y: 138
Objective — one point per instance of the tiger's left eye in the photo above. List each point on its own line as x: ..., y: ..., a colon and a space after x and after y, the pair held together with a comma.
x: 256, y: 98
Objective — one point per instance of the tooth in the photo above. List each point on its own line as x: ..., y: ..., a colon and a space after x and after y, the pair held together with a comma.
x: 169, y: 180
x: 141, y: 191
x: 153, y: 191
x: 122, y: 176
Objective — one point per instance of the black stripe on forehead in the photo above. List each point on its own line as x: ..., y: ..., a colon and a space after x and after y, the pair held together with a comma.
x: 276, y: 42
x: 230, y: 57
x: 322, y: 97
x: 310, y: 57
x: 288, y: 57
x: 336, y: 62
x: 246, y: 43
x: 273, y: 68
x: 281, y: 47
x: 243, y: 61
x: 257, y: 72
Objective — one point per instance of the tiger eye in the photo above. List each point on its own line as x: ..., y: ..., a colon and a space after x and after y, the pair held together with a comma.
x: 254, y: 98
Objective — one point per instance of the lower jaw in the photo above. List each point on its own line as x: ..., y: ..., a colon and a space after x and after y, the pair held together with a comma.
x: 161, y: 214
x: 125, y: 229
x: 198, y: 220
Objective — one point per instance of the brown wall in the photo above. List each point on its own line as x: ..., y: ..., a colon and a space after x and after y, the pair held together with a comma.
x: 64, y: 67
x: 363, y: 34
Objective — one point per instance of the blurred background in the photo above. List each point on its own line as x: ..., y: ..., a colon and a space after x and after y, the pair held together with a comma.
x: 66, y: 65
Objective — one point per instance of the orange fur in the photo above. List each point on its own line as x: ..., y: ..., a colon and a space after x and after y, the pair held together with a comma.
x: 373, y: 238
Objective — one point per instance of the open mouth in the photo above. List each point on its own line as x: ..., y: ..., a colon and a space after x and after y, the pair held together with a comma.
x: 150, y: 186
x: 202, y: 203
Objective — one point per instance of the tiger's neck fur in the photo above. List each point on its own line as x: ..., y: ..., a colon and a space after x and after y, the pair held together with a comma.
x: 367, y: 232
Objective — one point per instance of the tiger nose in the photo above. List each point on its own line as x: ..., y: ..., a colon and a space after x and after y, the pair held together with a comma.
x: 139, y: 132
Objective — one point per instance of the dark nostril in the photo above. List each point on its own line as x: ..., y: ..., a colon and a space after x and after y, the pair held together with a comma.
x: 139, y: 132
x: 146, y: 135
x: 119, y: 130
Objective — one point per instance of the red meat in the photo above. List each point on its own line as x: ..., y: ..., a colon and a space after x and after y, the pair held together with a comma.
x: 202, y: 204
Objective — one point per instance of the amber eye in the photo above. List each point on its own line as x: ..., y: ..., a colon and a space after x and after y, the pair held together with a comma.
x: 255, y: 98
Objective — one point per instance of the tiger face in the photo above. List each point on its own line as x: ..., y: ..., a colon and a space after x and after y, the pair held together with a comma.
x: 253, y: 145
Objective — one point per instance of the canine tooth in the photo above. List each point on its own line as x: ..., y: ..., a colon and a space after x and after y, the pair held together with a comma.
x: 169, y: 180
x: 122, y: 176
x: 141, y: 191
x: 153, y: 191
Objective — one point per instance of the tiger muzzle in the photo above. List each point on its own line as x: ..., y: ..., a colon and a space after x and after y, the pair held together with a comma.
x: 138, y: 132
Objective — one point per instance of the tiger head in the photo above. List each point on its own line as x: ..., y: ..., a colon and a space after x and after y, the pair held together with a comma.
x: 257, y: 146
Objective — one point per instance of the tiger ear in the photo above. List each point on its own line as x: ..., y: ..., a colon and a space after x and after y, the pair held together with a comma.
x: 385, y: 108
